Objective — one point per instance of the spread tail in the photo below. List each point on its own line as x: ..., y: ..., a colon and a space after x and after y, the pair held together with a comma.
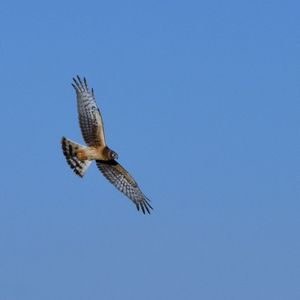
x: 70, y: 149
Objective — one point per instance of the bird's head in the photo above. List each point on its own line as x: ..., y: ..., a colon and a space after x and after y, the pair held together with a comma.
x: 113, y: 154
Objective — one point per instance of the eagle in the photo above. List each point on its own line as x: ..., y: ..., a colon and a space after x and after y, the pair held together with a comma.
x: 79, y: 157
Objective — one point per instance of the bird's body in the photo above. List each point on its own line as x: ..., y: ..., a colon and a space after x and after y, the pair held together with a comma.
x: 93, y: 153
x: 79, y: 157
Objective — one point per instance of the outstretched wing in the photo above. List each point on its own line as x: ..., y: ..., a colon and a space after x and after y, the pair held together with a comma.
x: 89, y: 115
x: 122, y: 180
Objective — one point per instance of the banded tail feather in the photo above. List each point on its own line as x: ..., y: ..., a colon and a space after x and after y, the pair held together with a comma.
x: 70, y: 149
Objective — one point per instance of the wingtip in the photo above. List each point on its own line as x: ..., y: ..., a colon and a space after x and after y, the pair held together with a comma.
x: 144, y: 206
x: 79, y: 79
x: 74, y: 80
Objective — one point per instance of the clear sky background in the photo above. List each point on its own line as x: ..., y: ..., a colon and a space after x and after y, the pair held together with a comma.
x: 200, y: 99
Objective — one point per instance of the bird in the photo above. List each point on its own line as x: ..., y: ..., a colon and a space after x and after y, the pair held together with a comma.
x: 79, y: 157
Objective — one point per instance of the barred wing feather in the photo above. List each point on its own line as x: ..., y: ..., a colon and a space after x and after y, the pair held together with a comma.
x: 122, y: 180
x: 89, y: 115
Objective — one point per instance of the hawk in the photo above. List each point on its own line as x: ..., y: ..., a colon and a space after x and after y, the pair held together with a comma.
x: 80, y: 157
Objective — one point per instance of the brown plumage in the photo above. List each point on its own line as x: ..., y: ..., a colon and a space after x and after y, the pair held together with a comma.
x: 80, y: 157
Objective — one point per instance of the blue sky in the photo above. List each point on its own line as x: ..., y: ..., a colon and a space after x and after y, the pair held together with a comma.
x: 200, y: 99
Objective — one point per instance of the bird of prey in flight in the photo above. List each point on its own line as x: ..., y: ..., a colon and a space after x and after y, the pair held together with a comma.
x: 80, y: 157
